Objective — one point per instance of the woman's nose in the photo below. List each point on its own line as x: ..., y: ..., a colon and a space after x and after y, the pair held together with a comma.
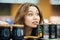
x: 35, y: 17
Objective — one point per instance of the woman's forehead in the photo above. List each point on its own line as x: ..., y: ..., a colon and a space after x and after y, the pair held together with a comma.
x: 32, y: 8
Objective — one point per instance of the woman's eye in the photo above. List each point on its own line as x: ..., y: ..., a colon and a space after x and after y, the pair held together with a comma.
x: 30, y: 14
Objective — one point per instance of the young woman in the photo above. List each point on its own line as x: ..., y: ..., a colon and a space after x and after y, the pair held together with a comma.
x: 30, y: 16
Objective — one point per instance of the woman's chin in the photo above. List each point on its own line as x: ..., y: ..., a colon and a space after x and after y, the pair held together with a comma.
x: 34, y: 26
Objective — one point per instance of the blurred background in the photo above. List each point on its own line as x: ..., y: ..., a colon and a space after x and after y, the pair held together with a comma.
x: 50, y: 10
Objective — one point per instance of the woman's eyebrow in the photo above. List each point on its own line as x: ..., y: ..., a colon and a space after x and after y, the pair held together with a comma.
x: 29, y: 11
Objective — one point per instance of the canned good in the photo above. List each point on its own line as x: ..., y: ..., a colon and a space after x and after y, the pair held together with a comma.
x: 4, y: 32
x: 58, y: 31
x: 52, y: 31
x: 40, y: 31
x: 17, y: 33
x: 46, y: 31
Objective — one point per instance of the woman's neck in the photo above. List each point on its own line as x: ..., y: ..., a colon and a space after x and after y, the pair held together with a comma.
x: 27, y: 31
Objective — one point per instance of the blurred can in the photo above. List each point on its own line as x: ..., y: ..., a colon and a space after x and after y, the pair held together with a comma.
x: 4, y: 32
x: 58, y: 30
x: 52, y: 31
x: 40, y: 31
x: 46, y: 31
x: 17, y: 32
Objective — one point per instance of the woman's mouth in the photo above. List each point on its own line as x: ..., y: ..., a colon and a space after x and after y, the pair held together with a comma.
x: 35, y: 23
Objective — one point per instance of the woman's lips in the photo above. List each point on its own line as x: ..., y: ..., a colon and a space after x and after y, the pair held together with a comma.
x: 35, y: 23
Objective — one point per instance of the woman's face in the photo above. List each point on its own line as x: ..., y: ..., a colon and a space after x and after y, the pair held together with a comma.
x: 32, y: 18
